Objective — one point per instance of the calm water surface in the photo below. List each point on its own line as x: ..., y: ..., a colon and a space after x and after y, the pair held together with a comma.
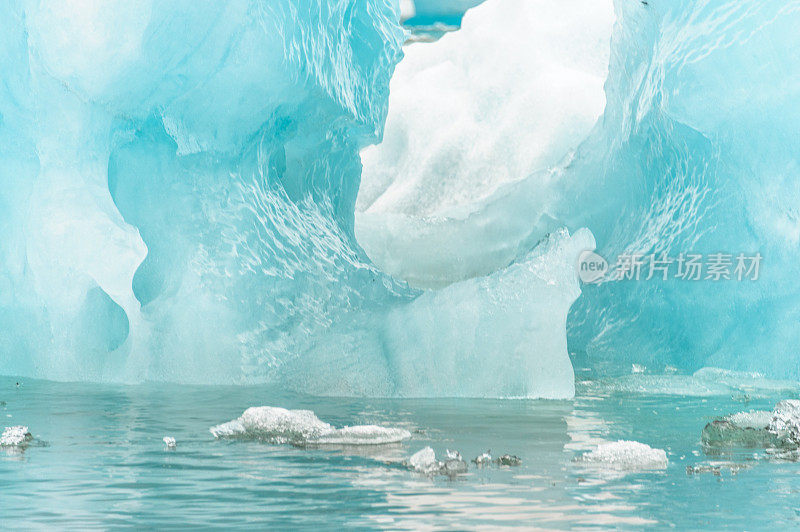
x: 101, y: 463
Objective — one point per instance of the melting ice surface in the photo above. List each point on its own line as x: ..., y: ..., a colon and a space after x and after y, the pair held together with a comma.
x: 181, y: 182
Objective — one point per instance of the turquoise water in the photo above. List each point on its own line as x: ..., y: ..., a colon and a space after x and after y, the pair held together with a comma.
x: 99, y: 461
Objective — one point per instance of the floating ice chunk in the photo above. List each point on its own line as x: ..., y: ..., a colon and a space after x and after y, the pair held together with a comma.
x: 424, y: 461
x: 454, y: 466
x: 15, y: 436
x: 744, y: 429
x: 282, y: 423
x: 627, y: 455
x: 170, y: 442
x: 785, y: 421
x: 277, y: 425
x: 509, y: 460
x: 483, y: 459
x: 777, y: 429
x: 302, y: 428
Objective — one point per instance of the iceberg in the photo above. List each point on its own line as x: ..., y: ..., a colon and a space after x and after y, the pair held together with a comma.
x: 268, y: 191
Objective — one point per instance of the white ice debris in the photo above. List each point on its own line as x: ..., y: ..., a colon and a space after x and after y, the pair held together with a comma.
x: 424, y: 461
x: 785, y: 420
x: 483, y: 459
x: 303, y: 427
x: 509, y: 460
x: 627, y: 455
x: 453, y: 455
x: 15, y: 436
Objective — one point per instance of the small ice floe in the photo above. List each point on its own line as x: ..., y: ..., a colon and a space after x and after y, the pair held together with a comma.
x: 424, y: 461
x: 453, y: 455
x: 509, y: 460
x: 785, y: 421
x: 454, y: 465
x: 170, y: 442
x: 778, y: 429
x: 626, y: 455
x: 483, y: 459
x: 302, y: 428
x: 18, y: 436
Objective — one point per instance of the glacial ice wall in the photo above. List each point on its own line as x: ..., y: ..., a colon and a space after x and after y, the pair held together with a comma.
x: 179, y: 189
